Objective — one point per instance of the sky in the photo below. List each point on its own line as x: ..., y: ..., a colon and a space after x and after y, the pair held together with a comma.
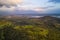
x: 29, y: 7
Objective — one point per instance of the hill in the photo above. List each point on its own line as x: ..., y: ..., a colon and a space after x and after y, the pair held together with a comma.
x: 24, y: 28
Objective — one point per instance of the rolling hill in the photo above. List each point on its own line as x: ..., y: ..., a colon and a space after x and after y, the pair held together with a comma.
x: 24, y: 28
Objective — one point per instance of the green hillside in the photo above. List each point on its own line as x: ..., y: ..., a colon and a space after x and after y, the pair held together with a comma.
x: 18, y: 28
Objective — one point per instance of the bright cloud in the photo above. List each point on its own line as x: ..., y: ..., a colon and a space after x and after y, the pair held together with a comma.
x: 10, y: 2
x: 35, y: 5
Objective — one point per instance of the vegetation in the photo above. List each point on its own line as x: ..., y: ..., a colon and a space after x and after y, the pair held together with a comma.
x: 44, y: 28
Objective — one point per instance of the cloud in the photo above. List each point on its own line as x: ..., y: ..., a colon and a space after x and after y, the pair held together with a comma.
x: 55, y: 1
x: 4, y: 8
x: 38, y: 9
x: 42, y: 9
x: 23, y: 8
x: 53, y: 11
x: 9, y: 2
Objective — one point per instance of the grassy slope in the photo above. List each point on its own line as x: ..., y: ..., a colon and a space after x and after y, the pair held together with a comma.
x: 45, y: 28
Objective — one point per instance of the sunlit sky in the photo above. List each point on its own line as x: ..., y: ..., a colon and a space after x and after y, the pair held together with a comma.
x: 30, y: 6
